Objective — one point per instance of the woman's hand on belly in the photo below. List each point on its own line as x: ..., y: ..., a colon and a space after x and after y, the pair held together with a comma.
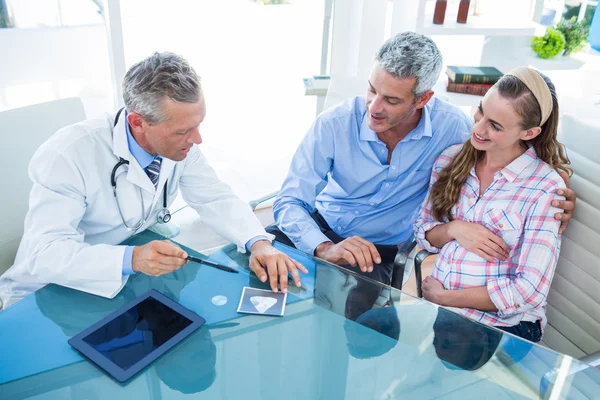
x: 479, y: 240
x: 475, y: 297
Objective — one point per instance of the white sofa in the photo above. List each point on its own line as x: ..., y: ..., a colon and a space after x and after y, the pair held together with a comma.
x: 574, y: 299
x: 22, y: 131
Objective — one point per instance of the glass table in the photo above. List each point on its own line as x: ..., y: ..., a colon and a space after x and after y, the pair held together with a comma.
x: 343, y: 336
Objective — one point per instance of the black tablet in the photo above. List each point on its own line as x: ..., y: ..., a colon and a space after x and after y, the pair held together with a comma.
x: 126, y: 341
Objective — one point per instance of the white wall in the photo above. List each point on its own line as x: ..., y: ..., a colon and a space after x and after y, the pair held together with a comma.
x: 252, y: 59
x: 42, y: 64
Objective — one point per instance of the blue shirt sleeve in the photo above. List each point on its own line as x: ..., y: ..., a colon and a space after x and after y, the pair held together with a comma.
x: 306, y: 178
x: 128, y: 261
x: 462, y: 130
x: 254, y: 240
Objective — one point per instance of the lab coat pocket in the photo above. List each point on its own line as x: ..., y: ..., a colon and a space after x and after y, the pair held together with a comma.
x: 508, y: 225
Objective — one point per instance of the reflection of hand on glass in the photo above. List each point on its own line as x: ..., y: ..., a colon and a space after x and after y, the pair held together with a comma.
x: 365, y: 344
x: 160, y: 321
x: 73, y: 311
x: 462, y: 344
x: 190, y: 366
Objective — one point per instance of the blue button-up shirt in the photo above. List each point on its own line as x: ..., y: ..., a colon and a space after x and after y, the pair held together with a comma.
x: 144, y: 159
x: 341, y: 170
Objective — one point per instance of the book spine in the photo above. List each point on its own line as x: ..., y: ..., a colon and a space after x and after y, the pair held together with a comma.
x: 469, y: 78
x: 468, y: 88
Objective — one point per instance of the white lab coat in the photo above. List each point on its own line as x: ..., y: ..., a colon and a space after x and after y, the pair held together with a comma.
x: 73, y: 226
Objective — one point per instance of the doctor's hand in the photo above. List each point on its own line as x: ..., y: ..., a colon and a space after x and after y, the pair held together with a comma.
x: 277, y: 264
x: 352, y: 251
x: 158, y: 258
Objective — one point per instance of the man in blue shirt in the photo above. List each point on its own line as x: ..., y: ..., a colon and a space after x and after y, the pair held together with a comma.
x: 362, y: 171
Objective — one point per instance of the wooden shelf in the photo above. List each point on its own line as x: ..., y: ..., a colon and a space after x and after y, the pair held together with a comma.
x: 480, y: 25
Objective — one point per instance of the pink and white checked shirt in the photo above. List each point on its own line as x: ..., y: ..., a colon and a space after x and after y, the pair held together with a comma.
x: 517, y: 207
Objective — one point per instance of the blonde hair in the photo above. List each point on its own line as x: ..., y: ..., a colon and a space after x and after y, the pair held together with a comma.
x: 446, y: 190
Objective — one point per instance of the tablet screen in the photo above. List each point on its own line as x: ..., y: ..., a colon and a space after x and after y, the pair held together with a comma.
x: 137, y: 332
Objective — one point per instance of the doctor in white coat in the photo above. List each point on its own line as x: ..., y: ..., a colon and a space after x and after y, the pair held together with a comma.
x: 145, y: 153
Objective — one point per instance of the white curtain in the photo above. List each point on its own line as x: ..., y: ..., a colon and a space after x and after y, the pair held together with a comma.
x: 359, y: 29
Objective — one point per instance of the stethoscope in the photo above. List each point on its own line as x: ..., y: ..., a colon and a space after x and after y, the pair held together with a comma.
x: 164, y: 215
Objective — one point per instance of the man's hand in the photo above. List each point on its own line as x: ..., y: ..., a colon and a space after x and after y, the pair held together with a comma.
x: 479, y: 240
x: 433, y: 290
x: 352, y: 251
x: 158, y: 258
x: 264, y: 256
x: 567, y: 205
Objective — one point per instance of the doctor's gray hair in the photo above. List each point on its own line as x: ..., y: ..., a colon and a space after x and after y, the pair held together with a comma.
x: 412, y: 55
x: 162, y: 74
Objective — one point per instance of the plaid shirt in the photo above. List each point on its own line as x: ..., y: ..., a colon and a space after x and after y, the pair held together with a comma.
x: 516, y: 207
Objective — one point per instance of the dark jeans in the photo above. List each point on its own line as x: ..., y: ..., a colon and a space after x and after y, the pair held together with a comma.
x: 531, y: 331
x: 381, y: 272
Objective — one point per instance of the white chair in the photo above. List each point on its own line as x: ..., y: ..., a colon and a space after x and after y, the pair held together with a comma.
x: 23, y: 130
x: 574, y: 298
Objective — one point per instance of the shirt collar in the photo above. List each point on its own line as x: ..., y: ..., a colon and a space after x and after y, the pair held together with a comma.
x: 141, y: 156
x: 516, y: 168
x: 423, y: 128
x: 365, y: 132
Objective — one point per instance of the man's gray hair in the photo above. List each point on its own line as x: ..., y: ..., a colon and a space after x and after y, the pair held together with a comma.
x: 162, y: 74
x: 412, y: 55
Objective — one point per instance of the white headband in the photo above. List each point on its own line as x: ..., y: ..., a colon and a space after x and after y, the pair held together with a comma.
x: 538, y: 87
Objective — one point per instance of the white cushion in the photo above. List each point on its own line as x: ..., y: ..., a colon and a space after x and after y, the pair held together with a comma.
x: 574, y: 299
x: 24, y: 130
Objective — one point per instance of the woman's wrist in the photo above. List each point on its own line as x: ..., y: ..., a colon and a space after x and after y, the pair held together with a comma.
x: 443, y: 298
x: 451, y: 229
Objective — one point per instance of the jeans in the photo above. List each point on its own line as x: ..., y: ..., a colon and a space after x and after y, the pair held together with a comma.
x: 531, y: 331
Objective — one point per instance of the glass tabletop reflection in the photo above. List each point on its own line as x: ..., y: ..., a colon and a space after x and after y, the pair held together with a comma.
x: 343, y: 336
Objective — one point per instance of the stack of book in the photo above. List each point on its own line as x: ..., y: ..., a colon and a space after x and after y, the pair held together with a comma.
x: 471, y: 80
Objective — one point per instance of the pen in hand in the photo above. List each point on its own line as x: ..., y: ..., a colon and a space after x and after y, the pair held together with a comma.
x: 212, y: 264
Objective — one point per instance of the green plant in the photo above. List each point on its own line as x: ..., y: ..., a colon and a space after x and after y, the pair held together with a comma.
x: 575, y: 33
x: 550, y: 45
